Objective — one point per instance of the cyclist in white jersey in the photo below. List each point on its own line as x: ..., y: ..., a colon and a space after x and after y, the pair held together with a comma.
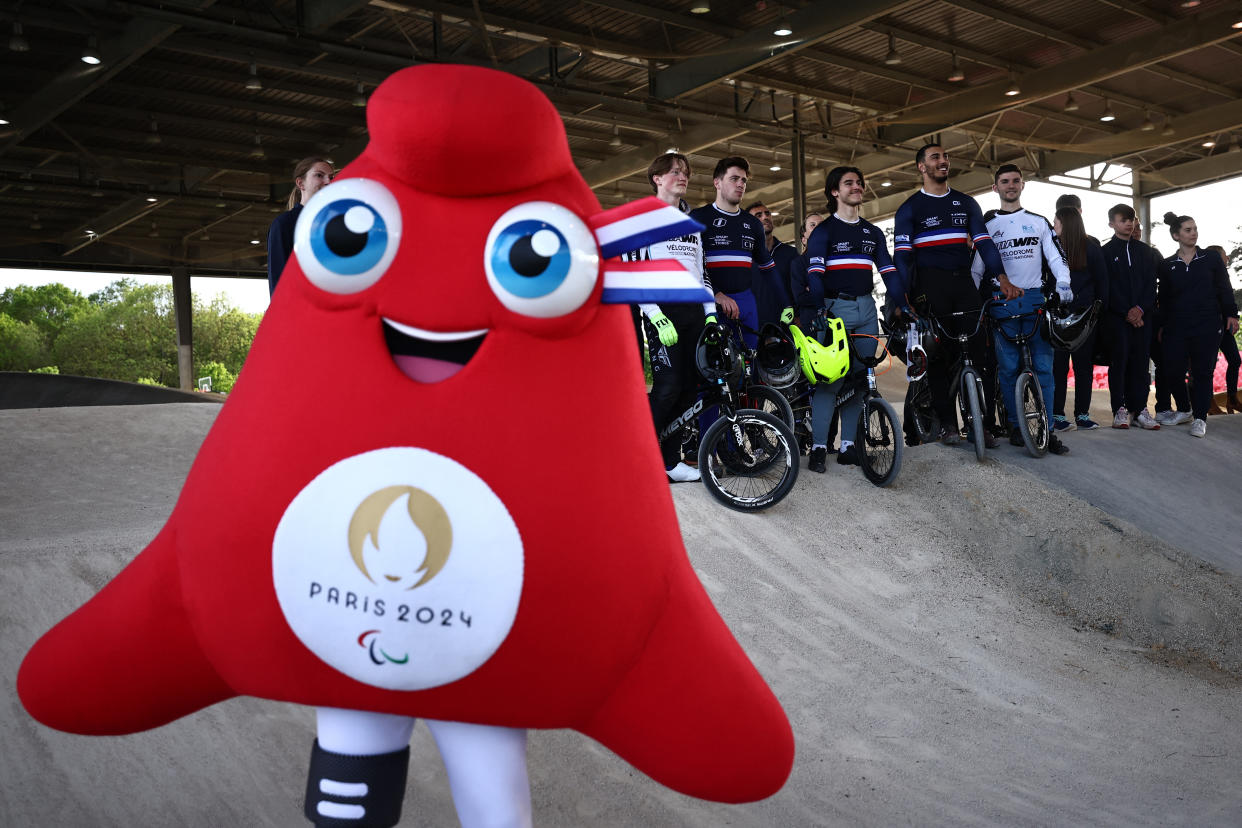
x: 1026, y: 245
x: 673, y: 329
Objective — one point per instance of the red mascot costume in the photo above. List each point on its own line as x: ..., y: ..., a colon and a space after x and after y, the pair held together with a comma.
x: 434, y: 538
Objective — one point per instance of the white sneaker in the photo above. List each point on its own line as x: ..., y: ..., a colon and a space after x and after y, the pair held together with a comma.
x: 1179, y: 418
x: 681, y: 473
x: 1122, y: 418
x: 1146, y: 421
x: 1198, y: 428
x: 1166, y: 417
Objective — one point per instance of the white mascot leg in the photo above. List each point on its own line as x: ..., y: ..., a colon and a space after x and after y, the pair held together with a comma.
x: 487, y: 773
x: 358, y: 769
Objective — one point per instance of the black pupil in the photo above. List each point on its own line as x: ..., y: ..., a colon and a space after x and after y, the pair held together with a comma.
x: 341, y: 240
x: 524, y: 260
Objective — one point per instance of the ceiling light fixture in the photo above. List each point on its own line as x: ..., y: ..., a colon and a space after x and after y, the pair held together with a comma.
x: 155, y: 231
x: 1190, y: 4
x: 1013, y: 90
x: 782, y: 30
x: 360, y: 98
x: 776, y: 165
x: 258, y: 151
x: 1208, y: 144
x: 700, y: 7
x: 1237, y: 24
x: 253, y: 83
x: 3, y: 120
x: 35, y: 224
x: 220, y: 202
x: 615, y: 140
x: 1148, y: 124
x: 956, y: 74
x: 18, y: 42
x: 90, y: 55
x: 886, y: 183
x: 1233, y: 145
x: 97, y: 192
x: 152, y: 199
x: 1107, y: 115
x: 893, y: 57
x: 1071, y: 105
x: 154, y: 137
x: 1167, y: 132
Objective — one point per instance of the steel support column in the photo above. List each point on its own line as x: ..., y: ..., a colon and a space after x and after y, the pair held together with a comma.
x: 799, y: 187
x: 183, y: 311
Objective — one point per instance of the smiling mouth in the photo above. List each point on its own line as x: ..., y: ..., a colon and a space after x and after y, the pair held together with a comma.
x: 430, y: 356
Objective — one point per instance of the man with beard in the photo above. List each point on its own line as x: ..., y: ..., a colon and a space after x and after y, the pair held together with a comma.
x: 771, y: 294
x: 934, y: 230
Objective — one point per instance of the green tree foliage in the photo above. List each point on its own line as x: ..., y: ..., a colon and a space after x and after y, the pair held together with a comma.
x: 222, y: 333
x: 48, y: 307
x: 222, y: 378
x: 126, y: 331
x: 22, y: 346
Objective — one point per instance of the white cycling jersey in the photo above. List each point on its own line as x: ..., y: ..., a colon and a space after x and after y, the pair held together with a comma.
x: 1026, y: 242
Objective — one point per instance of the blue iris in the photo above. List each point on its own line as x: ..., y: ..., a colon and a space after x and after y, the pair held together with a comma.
x: 530, y: 258
x: 348, y: 237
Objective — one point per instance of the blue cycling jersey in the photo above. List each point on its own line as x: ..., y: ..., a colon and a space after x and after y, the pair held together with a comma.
x: 841, y: 254
x: 936, y: 232
x: 731, y: 243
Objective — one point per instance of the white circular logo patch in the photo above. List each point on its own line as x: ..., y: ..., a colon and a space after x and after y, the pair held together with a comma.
x: 399, y: 567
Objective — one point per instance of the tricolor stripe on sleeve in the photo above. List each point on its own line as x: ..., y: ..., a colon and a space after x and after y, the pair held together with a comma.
x: 638, y: 224
x: 659, y: 280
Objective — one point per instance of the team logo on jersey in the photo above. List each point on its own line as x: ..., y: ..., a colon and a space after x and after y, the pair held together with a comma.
x: 843, y: 247
x: 868, y: 247
x: 748, y: 244
x: 957, y: 204
x: 933, y: 221
x: 867, y: 231
x: 959, y: 221
x: 719, y: 222
x: 1028, y: 228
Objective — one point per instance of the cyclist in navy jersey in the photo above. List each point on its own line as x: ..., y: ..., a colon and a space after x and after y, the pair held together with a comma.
x: 934, y: 230
x: 841, y: 252
x: 672, y: 329
x: 733, y: 240
x: 771, y: 295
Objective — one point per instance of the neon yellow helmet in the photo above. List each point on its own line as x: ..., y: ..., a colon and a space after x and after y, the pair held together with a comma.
x: 828, y: 362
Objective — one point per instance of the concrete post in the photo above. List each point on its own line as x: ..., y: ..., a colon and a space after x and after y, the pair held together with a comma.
x: 183, y: 311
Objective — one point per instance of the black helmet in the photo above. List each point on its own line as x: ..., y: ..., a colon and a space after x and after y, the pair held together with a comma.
x: 928, y: 339
x: 776, y: 363
x: 716, y: 356
x: 1067, y: 329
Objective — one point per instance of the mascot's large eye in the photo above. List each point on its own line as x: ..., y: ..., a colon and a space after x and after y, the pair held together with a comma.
x: 541, y: 260
x: 348, y: 235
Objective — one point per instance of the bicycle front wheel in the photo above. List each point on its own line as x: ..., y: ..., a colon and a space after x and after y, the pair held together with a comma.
x: 766, y: 398
x: 879, y: 441
x: 749, y: 463
x: 1032, y: 415
x: 973, y: 411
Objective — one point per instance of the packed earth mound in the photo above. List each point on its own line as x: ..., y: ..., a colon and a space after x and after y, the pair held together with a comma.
x: 972, y: 646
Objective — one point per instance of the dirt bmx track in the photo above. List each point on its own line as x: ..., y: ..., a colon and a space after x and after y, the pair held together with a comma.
x: 978, y: 645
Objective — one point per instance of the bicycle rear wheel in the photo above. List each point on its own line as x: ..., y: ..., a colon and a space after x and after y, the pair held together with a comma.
x: 972, y: 412
x: 924, y: 425
x: 879, y: 441
x: 749, y: 463
x: 769, y: 399
x: 1032, y: 415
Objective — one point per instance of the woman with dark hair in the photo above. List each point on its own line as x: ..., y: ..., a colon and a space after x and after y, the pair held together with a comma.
x: 1089, y: 281
x: 1228, y: 347
x: 309, y: 176
x: 1195, y: 298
